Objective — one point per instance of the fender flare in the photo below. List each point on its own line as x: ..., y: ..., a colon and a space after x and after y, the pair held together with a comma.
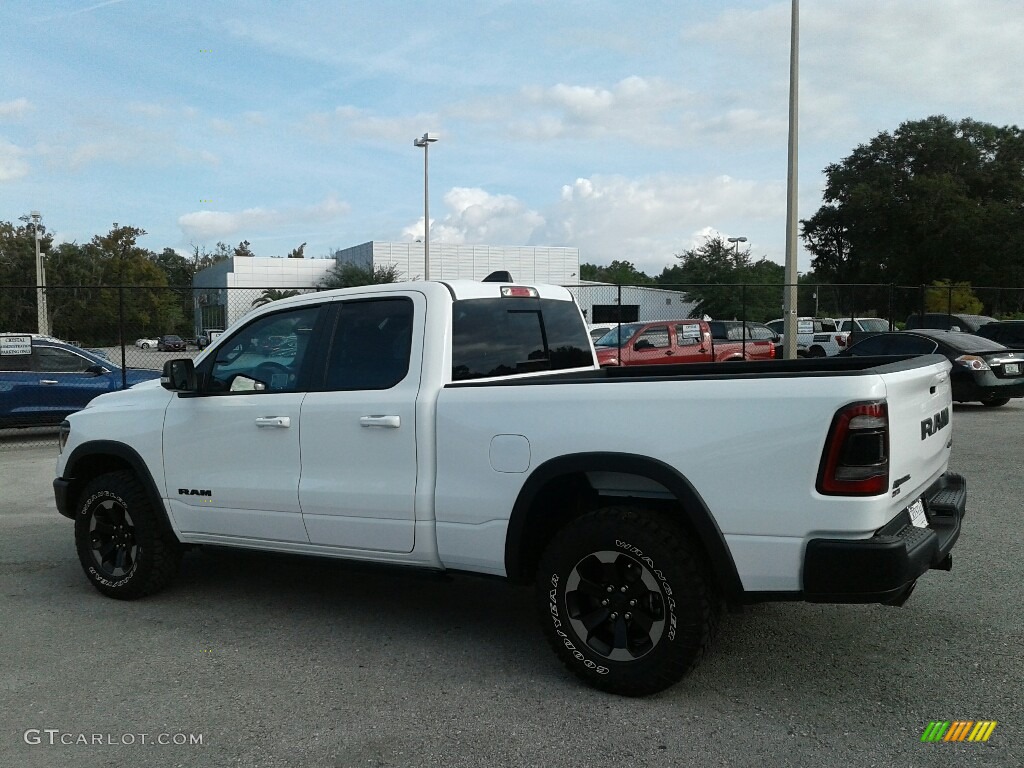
x: 128, y: 455
x: 695, y: 509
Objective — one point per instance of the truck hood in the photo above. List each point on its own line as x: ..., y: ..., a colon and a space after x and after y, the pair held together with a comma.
x: 147, y: 393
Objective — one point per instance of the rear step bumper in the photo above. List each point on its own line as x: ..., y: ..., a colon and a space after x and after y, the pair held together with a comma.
x: 885, y: 568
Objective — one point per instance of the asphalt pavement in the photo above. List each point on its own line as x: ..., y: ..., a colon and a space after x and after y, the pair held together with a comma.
x: 263, y: 660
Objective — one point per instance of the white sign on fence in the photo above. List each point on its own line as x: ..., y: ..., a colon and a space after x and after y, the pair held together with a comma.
x: 15, y: 345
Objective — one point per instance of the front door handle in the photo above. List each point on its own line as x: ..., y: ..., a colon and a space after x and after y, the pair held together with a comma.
x: 274, y: 421
x: 48, y: 381
x: 392, y: 422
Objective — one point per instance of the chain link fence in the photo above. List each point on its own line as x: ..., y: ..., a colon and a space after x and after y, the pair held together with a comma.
x: 122, y: 335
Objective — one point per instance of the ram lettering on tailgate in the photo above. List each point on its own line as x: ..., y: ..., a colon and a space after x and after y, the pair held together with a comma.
x: 932, y: 425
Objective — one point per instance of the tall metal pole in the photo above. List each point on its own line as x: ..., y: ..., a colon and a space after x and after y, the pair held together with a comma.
x: 425, y: 141
x: 789, y: 301
x: 42, y: 320
x: 426, y: 214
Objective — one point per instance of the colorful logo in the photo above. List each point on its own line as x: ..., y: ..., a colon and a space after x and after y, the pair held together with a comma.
x: 959, y: 730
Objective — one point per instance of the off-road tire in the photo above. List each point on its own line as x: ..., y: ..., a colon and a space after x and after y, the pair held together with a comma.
x: 123, y: 549
x: 626, y: 601
x: 996, y: 402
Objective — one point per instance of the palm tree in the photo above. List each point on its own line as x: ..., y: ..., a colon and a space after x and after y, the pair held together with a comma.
x: 273, y: 294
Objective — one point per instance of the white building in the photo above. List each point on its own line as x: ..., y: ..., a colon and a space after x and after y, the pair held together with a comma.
x: 528, y: 264
x: 226, y: 291
x: 608, y: 303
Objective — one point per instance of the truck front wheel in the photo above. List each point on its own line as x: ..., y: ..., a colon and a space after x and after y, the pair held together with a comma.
x: 120, y: 543
x: 625, y: 601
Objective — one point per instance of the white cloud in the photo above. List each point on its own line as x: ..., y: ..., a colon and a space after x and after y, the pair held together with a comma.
x: 644, y: 220
x: 12, y: 162
x: 15, y: 109
x: 476, y: 216
x: 210, y: 225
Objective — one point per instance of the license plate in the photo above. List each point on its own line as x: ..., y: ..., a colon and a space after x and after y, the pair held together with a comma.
x: 1011, y: 369
x: 917, y: 515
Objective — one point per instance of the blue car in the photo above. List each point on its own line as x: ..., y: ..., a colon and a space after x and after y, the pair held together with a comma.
x: 43, y: 380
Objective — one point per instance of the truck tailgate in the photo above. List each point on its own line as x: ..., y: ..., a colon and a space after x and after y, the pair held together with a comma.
x: 920, y: 433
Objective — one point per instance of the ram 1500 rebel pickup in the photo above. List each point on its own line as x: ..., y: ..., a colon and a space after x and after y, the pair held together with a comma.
x: 467, y: 426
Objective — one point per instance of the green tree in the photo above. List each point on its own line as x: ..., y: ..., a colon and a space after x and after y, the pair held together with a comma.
x: 298, y: 253
x: 109, y: 280
x: 618, y: 272
x: 725, y: 282
x: 272, y: 294
x: 945, y: 296
x: 242, y: 249
x: 347, y: 275
x: 933, y: 200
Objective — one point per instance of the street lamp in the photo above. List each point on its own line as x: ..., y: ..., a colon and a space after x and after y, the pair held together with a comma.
x: 737, y: 241
x: 41, y: 315
x: 425, y: 141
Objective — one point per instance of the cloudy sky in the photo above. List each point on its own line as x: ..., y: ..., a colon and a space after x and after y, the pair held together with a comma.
x: 627, y: 130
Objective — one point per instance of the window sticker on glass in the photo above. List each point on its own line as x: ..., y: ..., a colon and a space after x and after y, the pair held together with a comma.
x: 690, y: 330
x: 15, y: 345
x: 805, y: 326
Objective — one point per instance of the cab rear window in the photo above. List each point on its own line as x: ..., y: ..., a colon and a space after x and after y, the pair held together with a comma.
x: 505, y: 336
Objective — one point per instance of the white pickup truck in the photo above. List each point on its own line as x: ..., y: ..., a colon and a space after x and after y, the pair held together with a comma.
x: 466, y: 426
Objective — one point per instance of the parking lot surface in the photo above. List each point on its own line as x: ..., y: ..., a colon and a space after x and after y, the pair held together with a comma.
x: 287, y: 661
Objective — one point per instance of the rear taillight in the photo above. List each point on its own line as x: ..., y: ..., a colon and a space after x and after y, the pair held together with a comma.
x: 973, y: 362
x: 855, y: 461
x: 841, y: 341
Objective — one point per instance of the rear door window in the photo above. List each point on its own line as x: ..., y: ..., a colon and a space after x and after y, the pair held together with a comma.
x: 505, y: 336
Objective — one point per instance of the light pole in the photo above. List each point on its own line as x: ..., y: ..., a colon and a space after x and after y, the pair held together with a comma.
x: 41, y: 315
x: 789, y: 301
x: 425, y: 141
x: 737, y: 241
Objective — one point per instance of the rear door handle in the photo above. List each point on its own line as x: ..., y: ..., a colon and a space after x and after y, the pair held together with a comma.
x: 48, y: 381
x: 392, y: 422
x: 274, y: 421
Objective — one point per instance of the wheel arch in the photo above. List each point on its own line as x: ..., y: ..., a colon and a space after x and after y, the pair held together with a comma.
x: 98, y: 457
x: 563, y: 483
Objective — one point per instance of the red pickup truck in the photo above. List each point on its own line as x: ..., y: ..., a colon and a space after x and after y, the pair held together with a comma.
x: 665, y: 342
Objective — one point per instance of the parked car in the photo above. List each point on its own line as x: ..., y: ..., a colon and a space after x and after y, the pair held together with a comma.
x: 171, y: 344
x: 1007, y: 332
x: 42, y: 381
x: 944, y: 321
x: 815, y: 336
x: 147, y: 343
x: 983, y: 370
x: 666, y: 342
x: 733, y: 330
x: 860, y: 328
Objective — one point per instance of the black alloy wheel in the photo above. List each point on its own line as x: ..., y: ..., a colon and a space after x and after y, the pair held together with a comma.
x: 614, y: 602
x: 112, y: 538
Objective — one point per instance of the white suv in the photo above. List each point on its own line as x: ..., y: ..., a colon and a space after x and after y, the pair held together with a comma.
x: 815, y: 336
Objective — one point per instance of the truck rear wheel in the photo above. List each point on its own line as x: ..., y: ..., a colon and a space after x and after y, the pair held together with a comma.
x: 625, y: 600
x: 121, y: 545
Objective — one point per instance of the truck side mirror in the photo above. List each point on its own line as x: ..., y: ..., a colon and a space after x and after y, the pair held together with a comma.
x: 179, y: 375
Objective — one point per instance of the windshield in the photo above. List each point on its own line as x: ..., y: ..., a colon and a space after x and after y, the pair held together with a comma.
x: 618, y: 336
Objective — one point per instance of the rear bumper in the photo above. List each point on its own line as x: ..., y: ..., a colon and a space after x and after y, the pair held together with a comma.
x: 885, y: 568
